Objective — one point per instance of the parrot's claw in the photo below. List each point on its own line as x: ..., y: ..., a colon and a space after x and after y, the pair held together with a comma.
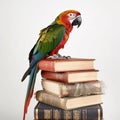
x: 58, y: 56
x: 67, y: 57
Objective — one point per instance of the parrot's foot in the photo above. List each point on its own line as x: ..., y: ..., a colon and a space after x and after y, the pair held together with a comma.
x: 58, y: 56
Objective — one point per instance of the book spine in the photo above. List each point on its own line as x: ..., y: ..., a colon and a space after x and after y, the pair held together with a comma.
x: 76, y: 114
x: 60, y: 76
x: 46, y: 65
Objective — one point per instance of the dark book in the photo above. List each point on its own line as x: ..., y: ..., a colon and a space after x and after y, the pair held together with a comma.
x: 46, y: 112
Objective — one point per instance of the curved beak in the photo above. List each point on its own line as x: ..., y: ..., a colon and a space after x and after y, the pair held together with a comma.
x: 77, y: 21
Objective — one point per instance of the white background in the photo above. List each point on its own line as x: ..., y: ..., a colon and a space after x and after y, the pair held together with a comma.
x: 98, y: 37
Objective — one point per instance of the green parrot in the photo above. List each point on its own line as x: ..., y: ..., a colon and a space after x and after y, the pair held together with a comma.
x: 50, y: 41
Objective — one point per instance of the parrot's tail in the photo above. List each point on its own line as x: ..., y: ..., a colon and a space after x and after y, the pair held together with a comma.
x: 30, y: 88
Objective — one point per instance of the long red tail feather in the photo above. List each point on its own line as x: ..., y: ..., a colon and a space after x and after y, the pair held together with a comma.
x: 27, y: 102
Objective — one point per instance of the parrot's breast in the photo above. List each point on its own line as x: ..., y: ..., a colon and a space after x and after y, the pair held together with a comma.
x: 61, y: 44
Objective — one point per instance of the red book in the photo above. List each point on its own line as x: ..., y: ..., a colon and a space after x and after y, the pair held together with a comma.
x: 72, y: 76
x: 61, y: 65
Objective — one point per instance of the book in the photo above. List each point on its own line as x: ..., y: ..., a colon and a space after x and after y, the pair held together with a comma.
x: 60, y: 65
x: 47, y: 112
x: 73, y: 90
x: 72, y: 76
x: 67, y: 103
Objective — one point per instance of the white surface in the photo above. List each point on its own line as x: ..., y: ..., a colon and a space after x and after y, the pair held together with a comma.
x: 98, y: 37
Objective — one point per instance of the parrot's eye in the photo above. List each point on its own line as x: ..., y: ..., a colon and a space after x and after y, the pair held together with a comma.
x: 71, y: 14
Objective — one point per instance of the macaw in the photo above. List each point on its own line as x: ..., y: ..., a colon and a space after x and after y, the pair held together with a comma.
x: 51, y: 40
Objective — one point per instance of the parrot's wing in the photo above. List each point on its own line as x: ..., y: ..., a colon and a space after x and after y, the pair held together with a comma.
x: 49, y: 39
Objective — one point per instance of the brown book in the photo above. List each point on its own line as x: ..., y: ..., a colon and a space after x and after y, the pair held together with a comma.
x: 60, y: 65
x: 67, y: 103
x: 72, y: 76
x: 78, y: 89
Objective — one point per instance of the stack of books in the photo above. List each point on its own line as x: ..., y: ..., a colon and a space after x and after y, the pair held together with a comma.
x: 71, y: 90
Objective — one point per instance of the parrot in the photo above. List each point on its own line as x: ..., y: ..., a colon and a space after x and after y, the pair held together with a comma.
x: 51, y: 39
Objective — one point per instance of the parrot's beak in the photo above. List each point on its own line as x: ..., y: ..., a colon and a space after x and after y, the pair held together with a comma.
x: 77, y: 21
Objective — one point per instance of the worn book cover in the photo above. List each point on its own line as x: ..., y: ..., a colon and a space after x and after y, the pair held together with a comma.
x: 60, y: 65
x: 67, y: 103
x: 47, y: 112
x: 78, y: 89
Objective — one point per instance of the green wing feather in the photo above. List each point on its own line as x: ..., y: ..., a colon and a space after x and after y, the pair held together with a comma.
x: 49, y: 38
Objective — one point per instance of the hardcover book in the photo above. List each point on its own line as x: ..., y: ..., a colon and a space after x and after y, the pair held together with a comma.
x: 71, y: 77
x: 60, y: 65
x: 67, y: 103
x: 47, y: 112
x: 78, y: 89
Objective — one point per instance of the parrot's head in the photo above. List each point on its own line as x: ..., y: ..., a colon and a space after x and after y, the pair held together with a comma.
x: 69, y: 18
